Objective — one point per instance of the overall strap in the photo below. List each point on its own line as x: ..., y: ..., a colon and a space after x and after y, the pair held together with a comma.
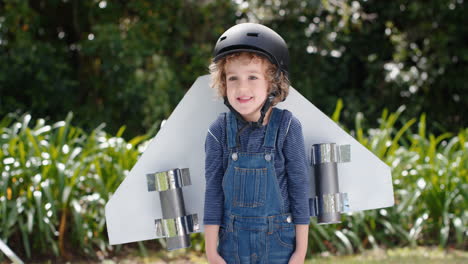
x: 231, y: 130
x: 272, y: 129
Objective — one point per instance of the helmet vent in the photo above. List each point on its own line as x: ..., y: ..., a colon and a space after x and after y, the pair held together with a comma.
x: 222, y: 38
x: 252, y: 34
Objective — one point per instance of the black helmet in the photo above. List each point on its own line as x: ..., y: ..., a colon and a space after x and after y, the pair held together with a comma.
x: 256, y: 38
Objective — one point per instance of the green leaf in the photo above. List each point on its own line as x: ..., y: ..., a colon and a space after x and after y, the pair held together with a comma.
x: 345, y: 241
x: 337, y: 112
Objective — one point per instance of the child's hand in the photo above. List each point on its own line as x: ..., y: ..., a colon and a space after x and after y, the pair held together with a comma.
x: 297, y: 258
x: 216, y: 259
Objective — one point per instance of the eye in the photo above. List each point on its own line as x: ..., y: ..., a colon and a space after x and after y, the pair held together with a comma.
x: 232, y: 78
x: 251, y: 77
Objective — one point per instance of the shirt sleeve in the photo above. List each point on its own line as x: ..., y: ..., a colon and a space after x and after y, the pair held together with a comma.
x: 214, y: 195
x: 297, y: 172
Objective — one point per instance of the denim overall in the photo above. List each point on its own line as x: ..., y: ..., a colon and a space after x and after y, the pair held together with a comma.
x: 255, y: 227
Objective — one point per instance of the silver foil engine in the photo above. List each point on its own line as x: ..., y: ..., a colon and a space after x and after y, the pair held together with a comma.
x: 329, y: 203
x: 175, y: 226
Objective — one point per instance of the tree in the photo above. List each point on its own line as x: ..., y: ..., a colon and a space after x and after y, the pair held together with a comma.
x: 121, y: 62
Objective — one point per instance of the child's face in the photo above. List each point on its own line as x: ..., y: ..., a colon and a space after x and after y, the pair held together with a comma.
x: 246, y: 85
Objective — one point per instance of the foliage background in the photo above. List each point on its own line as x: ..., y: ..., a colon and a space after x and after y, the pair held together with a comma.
x: 130, y: 62
x: 122, y: 66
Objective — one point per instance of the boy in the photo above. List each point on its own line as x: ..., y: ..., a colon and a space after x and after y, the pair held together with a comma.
x: 256, y: 197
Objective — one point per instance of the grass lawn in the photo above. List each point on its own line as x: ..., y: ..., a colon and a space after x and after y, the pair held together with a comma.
x: 400, y: 255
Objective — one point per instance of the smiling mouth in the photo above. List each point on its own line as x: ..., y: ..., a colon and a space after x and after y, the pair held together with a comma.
x: 244, y: 99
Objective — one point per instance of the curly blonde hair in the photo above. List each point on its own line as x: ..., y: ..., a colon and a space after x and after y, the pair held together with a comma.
x: 279, y: 84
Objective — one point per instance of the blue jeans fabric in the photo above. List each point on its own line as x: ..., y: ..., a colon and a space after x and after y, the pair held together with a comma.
x: 255, y: 227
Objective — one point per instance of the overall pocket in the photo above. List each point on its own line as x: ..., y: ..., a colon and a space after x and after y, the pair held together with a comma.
x: 249, y: 187
x: 286, y: 237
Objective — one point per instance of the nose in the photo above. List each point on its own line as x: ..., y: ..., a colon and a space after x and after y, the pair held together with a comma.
x: 243, y: 85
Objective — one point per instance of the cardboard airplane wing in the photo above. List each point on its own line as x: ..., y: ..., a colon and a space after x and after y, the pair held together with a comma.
x: 163, y: 195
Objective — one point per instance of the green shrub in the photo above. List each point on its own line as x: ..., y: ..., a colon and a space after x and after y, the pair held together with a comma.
x: 55, y: 182
x: 430, y: 176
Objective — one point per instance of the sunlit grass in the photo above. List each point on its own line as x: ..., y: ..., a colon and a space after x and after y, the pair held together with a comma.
x: 416, y: 255
x: 399, y: 255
